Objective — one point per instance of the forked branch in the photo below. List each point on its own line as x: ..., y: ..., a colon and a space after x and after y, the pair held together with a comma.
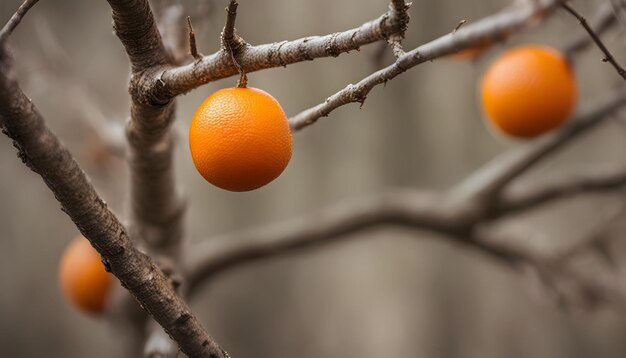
x: 489, y: 28
x: 179, y: 80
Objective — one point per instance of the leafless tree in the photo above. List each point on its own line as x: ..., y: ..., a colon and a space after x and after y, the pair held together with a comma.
x: 148, y: 254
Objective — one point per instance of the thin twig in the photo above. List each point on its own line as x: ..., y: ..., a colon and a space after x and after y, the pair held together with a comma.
x: 598, y: 239
x: 10, y: 26
x: 458, y: 26
x: 604, y: 19
x: 596, y: 181
x: 229, y: 38
x: 470, y: 35
x: 193, y: 49
x: 608, y: 57
x: 489, y: 181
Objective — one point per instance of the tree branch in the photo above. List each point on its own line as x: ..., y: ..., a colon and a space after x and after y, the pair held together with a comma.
x: 231, y: 43
x: 156, y: 207
x: 43, y: 153
x: 489, y: 181
x: 415, y: 210
x: 15, y: 20
x: 420, y: 210
x: 608, y: 57
x: 603, y: 20
x: 597, y: 181
x: 558, y: 269
x: 487, y: 29
x: 179, y: 80
x: 134, y: 24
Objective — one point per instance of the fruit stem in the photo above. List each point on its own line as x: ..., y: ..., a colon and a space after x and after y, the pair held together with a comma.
x: 243, y: 80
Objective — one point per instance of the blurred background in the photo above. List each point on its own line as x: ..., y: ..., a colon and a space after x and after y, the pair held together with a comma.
x: 392, y: 293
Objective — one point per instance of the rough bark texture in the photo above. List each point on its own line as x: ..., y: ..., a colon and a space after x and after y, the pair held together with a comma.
x: 219, y: 65
x: 43, y: 153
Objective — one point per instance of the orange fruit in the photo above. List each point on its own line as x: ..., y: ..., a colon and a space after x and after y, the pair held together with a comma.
x: 84, y: 281
x: 240, y: 139
x: 528, y: 91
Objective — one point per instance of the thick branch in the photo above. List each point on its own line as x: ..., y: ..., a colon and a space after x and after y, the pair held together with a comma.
x: 608, y: 56
x: 418, y: 210
x: 253, y: 58
x: 497, y: 174
x: 43, y: 153
x: 482, y: 31
x: 134, y: 25
x: 156, y: 207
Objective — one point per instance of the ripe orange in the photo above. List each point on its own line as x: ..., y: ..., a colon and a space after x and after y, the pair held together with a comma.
x: 240, y: 139
x: 528, y: 91
x: 84, y: 281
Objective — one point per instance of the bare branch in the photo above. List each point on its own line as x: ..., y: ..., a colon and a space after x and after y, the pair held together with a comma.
x: 487, y: 29
x: 420, y: 210
x: 597, y: 181
x: 228, y: 34
x: 15, y: 20
x: 608, y: 57
x: 559, y: 268
x: 157, y: 209
x: 219, y: 65
x: 603, y: 20
x: 231, y: 43
x: 597, y: 239
x: 497, y: 174
x: 43, y: 153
